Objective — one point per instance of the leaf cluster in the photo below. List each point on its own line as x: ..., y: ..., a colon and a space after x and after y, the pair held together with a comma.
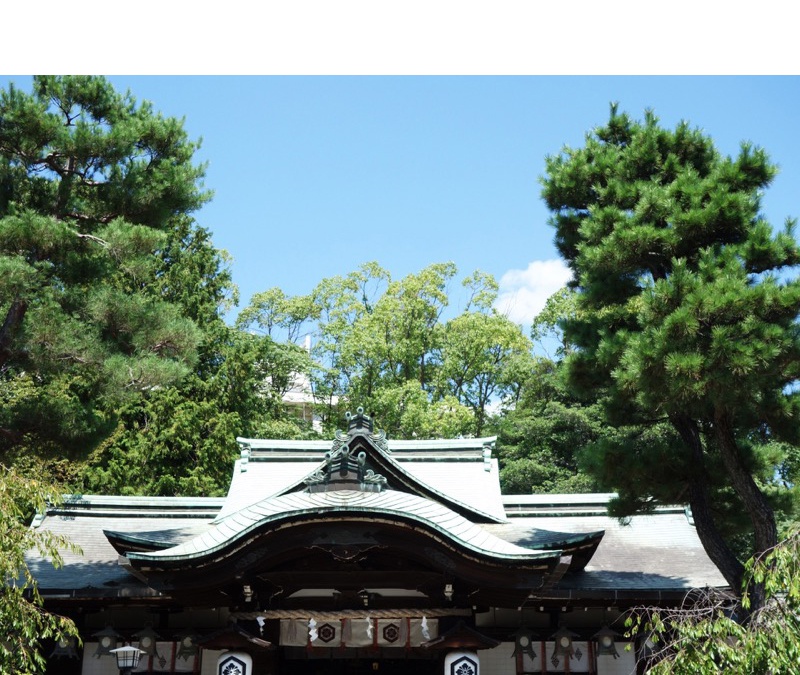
x: 383, y: 344
x: 95, y: 190
x: 541, y: 437
x: 714, y: 632
x: 24, y: 622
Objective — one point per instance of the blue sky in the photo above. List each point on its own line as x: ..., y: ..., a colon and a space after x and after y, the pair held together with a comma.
x: 315, y: 175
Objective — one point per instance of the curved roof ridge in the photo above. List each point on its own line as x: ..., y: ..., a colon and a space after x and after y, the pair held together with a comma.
x: 407, y: 476
x: 292, y: 489
x: 393, y: 444
x: 390, y: 503
x: 284, y: 444
x: 441, y: 443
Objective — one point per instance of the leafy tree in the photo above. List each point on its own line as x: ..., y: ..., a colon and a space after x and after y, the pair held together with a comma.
x: 181, y: 438
x: 417, y: 374
x: 91, y: 186
x: 706, y: 635
x: 23, y: 620
x: 379, y: 345
x: 382, y: 344
x: 546, y: 326
x: 394, y: 338
x: 272, y: 311
x: 540, y: 437
x: 476, y: 351
x: 684, y: 316
x: 405, y: 410
x: 343, y: 361
x: 479, y: 350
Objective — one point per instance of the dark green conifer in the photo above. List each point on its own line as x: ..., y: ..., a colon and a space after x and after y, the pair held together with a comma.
x: 685, y: 316
x: 92, y: 186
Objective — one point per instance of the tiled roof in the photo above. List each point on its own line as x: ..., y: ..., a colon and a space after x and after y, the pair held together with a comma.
x: 389, y: 504
x: 658, y: 551
x: 96, y: 572
x: 648, y: 553
x: 453, y: 480
x: 460, y: 470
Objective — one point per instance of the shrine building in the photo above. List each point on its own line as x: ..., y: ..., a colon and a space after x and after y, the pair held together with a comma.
x: 363, y: 555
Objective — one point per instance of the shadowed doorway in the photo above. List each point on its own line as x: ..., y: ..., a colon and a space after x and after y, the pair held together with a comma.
x: 365, y: 666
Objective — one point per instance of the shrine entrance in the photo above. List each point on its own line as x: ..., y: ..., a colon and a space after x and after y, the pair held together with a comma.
x: 366, y: 666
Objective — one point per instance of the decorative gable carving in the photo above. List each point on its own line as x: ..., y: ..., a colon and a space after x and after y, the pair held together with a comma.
x: 345, y: 468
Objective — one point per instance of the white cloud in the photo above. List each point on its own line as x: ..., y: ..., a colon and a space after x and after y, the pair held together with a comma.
x: 523, y: 292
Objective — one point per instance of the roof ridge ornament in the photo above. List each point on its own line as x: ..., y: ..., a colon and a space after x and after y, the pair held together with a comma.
x: 344, y: 471
x: 244, y: 455
x: 343, y: 468
x: 358, y: 421
x: 361, y: 424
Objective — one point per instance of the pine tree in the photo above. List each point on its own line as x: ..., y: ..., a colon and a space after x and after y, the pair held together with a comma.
x: 685, y: 316
x: 91, y: 186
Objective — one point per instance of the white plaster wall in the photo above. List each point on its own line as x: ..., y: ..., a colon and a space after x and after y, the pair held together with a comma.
x: 105, y: 665
x: 498, y: 661
x: 209, y: 663
x: 624, y: 665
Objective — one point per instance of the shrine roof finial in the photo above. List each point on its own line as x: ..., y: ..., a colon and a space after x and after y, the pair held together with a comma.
x: 359, y: 420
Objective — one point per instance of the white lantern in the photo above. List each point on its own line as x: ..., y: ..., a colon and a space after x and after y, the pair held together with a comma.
x: 235, y: 663
x: 127, y: 657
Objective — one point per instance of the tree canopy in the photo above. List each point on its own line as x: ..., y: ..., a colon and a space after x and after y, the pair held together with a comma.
x: 543, y: 432
x: 104, y: 278
x: 384, y: 344
x: 685, y: 316
x: 91, y: 186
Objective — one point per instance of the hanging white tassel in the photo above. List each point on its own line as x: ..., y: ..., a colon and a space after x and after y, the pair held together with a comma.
x: 369, y: 628
x: 424, y: 626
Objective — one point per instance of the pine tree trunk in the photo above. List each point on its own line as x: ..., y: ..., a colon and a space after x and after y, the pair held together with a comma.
x: 12, y: 322
x: 758, y: 508
x: 713, y: 542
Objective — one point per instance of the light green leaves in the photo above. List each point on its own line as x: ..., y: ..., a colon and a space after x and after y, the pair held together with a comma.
x: 23, y: 622
x: 710, y: 633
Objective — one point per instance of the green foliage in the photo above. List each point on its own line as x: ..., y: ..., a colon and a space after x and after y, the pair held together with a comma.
x: 546, y: 325
x: 541, y: 438
x: 113, y: 351
x: 272, y: 310
x: 382, y: 344
x: 684, y: 315
x: 409, y: 412
x: 181, y: 439
x: 93, y: 187
x: 23, y: 621
x: 477, y: 350
x: 712, y: 632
